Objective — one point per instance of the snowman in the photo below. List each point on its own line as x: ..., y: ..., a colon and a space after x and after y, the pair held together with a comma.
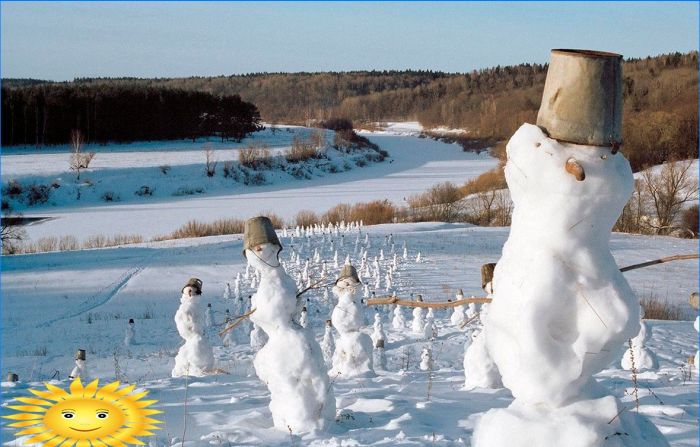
x: 418, y: 324
x: 80, y: 369
x: 426, y: 359
x: 562, y: 310
x: 378, y: 335
x: 398, y: 322
x: 130, y: 334
x: 353, y: 348
x: 196, y: 357
x: 457, y: 317
x: 290, y: 363
x: 328, y: 344
x: 638, y: 357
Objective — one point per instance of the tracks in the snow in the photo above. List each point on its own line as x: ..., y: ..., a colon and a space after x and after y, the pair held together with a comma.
x: 98, y: 299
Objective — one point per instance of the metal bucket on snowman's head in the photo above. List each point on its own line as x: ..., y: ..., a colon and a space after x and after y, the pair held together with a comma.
x: 12, y: 377
x: 80, y: 354
x: 196, y: 284
x: 259, y: 230
x: 582, y: 98
x: 349, y: 272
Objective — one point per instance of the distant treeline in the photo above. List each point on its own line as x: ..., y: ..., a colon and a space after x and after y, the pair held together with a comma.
x: 660, y: 99
x: 44, y: 114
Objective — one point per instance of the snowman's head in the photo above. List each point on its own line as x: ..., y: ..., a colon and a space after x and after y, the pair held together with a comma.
x: 263, y: 257
x: 567, y: 187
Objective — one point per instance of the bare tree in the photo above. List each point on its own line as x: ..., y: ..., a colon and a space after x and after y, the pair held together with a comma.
x: 78, y: 159
x: 11, y: 234
x: 210, y: 161
x: 668, y: 191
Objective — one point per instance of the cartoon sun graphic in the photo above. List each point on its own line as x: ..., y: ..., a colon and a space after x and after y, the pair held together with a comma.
x: 86, y: 416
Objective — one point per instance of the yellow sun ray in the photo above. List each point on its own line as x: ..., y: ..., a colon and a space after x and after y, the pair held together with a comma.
x: 54, y: 442
x: 41, y: 437
x: 33, y: 401
x: 29, y: 408
x: 24, y: 423
x: 85, y: 416
x: 31, y: 431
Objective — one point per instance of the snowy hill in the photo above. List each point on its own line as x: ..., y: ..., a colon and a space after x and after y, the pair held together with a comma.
x: 55, y: 303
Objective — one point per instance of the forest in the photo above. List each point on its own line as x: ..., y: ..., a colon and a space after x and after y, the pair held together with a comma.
x: 660, y: 120
x: 44, y: 114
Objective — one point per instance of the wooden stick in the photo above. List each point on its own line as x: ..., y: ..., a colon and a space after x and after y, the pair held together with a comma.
x: 659, y: 261
x: 469, y: 321
x: 424, y: 304
x: 238, y: 321
x: 312, y: 286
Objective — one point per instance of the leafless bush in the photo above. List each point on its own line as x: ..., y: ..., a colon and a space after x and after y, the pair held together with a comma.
x: 303, y: 149
x: 164, y: 169
x: 144, y: 190
x: 13, y: 188
x: 304, y: 218
x: 78, y: 159
x: 689, y: 219
x: 38, y: 194
x: 442, y: 202
x: 210, y: 164
x: 255, y: 157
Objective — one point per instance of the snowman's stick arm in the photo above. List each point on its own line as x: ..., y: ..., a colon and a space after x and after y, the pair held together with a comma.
x: 238, y: 321
x: 313, y: 286
x: 469, y: 321
x: 424, y: 304
x: 659, y: 261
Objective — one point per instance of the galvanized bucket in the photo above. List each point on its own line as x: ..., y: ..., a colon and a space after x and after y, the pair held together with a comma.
x: 348, y: 271
x: 196, y: 284
x: 80, y: 355
x: 582, y: 98
x: 259, y: 230
x: 12, y: 377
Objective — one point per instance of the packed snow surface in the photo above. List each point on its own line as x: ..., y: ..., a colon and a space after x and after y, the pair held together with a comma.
x: 413, y: 166
x: 55, y: 303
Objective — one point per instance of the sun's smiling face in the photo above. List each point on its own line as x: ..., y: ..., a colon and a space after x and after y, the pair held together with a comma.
x: 84, y: 418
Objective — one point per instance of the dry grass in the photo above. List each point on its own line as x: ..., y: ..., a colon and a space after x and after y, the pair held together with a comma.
x: 304, y: 218
x: 195, y: 228
x: 302, y: 150
x: 69, y: 242
x: 370, y: 213
x: 657, y: 309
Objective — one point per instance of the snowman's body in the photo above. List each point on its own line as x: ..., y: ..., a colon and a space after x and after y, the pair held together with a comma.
x: 639, y: 357
x: 328, y: 346
x: 561, y: 310
x: 79, y: 371
x: 129, y: 335
x: 398, y: 322
x: 196, y: 357
x: 418, y: 323
x: 457, y: 318
x: 290, y: 363
x: 353, y: 349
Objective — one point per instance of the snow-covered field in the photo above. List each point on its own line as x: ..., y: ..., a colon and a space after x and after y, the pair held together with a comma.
x: 55, y: 303
x: 415, y: 165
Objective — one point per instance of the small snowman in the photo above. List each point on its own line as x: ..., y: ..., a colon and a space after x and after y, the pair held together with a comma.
x: 328, y: 344
x: 418, y: 322
x: 130, y: 334
x: 457, y: 318
x: 258, y: 338
x: 637, y: 356
x: 353, y: 349
x: 196, y: 356
x: 426, y: 359
x: 80, y: 369
x: 398, y: 322
x: 378, y: 335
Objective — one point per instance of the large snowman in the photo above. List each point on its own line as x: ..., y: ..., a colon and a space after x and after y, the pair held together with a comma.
x: 562, y: 311
x: 353, y: 349
x: 290, y: 363
x: 196, y: 356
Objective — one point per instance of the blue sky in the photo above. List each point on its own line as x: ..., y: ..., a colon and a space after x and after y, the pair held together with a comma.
x: 61, y: 41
